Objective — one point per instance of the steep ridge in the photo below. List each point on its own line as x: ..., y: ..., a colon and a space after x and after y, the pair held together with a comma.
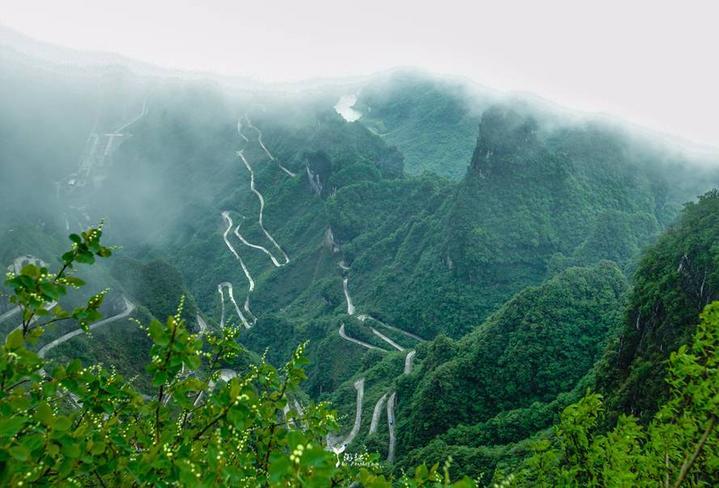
x: 538, y: 346
x: 432, y: 121
x: 426, y: 255
x: 676, y: 278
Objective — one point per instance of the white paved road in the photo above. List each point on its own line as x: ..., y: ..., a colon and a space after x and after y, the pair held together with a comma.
x: 391, y: 427
x: 350, y: 307
x: 228, y: 285
x: 264, y: 148
x: 377, y: 413
x: 408, y: 362
x: 261, y: 199
x: 129, y: 307
x: 250, y: 281
x: 344, y: 336
x: 387, y: 339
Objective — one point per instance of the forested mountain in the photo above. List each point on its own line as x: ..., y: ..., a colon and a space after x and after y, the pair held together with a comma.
x: 676, y: 279
x: 464, y: 265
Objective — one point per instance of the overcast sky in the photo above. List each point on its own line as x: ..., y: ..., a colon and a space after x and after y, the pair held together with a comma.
x: 651, y: 62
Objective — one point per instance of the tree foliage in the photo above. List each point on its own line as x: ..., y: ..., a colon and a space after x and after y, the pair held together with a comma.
x: 679, y: 447
x: 202, y: 426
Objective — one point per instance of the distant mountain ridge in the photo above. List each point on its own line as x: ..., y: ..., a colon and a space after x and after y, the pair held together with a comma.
x: 513, y: 228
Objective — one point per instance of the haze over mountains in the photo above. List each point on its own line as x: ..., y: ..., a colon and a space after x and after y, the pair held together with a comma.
x: 463, y: 262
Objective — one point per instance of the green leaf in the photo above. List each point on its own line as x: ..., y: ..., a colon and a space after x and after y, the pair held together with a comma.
x: 85, y: 257
x: 97, y: 448
x: 30, y: 270
x: 74, y: 281
x: 53, y: 449
x: 104, y: 252
x: 14, y: 340
x: 70, y: 448
x: 279, y: 467
x: 157, y: 333
x: 159, y: 379
x: 21, y: 453
x: 51, y: 290
x: 62, y: 424
x: 10, y: 426
x: 44, y: 414
x: 26, y: 281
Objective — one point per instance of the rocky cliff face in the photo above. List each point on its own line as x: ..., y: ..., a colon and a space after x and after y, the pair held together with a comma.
x: 676, y: 279
x: 504, y: 134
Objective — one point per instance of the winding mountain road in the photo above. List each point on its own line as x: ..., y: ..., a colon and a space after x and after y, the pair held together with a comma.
x: 228, y: 285
x: 261, y: 199
x: 94, y: 156
x: 142, y: 113
x: 239, y: 130
x: 129, y: 307
x: 250, y: 281
x: 359, y: 386
x: 391, y: 427
x: 201, y: 325
x: 339, y: 448
x: 344, y: 336
x: 258, y: 247
x: 387, y: 339
x: 408, y: 362
x: 364, y: 318
x: 377, y: 413
x: 264, y: 148
x: 350, y: 307
x: 260, y: 220
x: 392, y: 401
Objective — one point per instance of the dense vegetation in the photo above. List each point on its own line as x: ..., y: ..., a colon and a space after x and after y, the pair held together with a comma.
x: 506, y: 239
x: 432, y: 121
x: 679, y: 447
x: 202, y: 426
x: 675, y: 280
x: 205, y: 427
x: 473, y: 376
x: 537, y: 346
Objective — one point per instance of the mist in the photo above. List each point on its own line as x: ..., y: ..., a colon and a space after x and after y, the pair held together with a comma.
x: 60, y: 105
x: 645, y: 63
x: 288, y: 188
